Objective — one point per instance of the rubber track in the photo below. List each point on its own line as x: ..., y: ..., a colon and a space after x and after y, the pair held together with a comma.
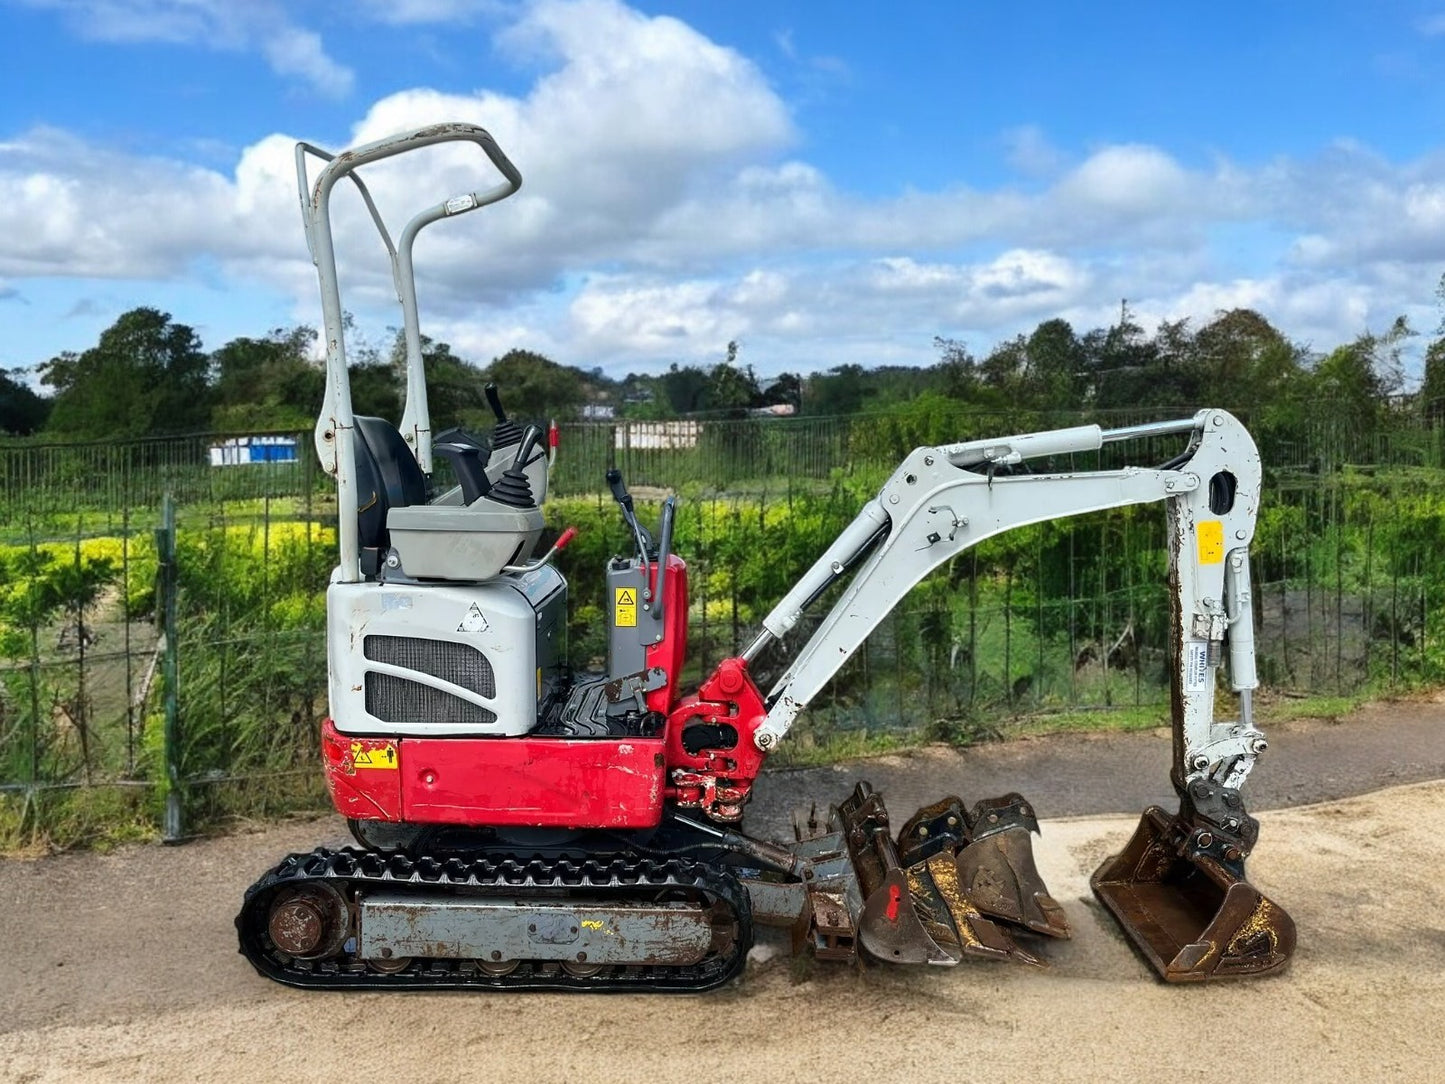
x: 602, y: 879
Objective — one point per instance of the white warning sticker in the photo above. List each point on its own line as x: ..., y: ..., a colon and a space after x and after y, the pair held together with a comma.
x: 474, y: 621
x: 1196, y: 667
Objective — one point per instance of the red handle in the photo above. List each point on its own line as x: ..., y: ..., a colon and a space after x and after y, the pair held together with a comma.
x: 566, y: 536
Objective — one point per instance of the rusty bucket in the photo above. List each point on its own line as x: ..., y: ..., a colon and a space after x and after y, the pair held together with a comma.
x: 1179, y: 892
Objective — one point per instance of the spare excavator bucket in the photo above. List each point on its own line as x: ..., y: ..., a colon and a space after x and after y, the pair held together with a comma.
x: 994, y: 858
x: 1179, y: 892
x: 918, y: 907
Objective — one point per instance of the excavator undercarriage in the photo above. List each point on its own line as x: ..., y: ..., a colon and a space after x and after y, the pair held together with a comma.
x: 525, y: 827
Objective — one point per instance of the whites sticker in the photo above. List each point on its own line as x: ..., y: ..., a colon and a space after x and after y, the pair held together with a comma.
x: 1196, y: 667
x: 474, y: 621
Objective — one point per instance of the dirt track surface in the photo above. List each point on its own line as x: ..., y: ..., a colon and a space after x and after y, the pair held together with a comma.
x: 123, y: 966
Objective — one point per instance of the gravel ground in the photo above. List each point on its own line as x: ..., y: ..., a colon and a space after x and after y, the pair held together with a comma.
x: 123, y: 966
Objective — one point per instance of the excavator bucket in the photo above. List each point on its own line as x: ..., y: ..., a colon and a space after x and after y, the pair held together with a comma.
x: 994, y: 858
x: 1179, y: 892
x: 917, y: 906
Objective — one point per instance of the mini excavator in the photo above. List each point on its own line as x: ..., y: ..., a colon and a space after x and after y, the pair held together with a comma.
x: 522, y: 827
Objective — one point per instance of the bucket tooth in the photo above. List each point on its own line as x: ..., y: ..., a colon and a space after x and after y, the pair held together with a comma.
x: 1179, y: 892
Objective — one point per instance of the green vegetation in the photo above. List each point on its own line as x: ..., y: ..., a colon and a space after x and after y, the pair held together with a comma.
x: 1056, y: 626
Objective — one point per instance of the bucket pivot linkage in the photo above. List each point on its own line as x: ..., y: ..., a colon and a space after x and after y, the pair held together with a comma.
x: 1179, y: 891
x: 954, y: 884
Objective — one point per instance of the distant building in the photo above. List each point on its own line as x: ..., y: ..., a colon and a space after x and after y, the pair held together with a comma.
x: 657, y: 435
x: 598, y: 412
x: 239, y: 451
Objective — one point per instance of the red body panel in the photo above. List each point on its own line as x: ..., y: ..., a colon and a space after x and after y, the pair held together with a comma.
x: 561, y: 782
x: 358, y: 789
x: 541, y: 782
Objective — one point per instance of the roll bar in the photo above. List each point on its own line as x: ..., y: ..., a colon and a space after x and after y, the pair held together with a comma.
x: 335, y: 428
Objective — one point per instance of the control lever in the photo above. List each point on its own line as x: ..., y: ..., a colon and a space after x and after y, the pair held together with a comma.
x: 469, y: 465
x: 624, y: 501
x: 557, y: 547
x: 512, y: 487
x: 640, y: 536
x: 664, y: 549
x: 506, y: 433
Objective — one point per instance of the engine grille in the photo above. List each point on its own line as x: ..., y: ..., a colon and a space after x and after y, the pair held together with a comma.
x: 460, y: 664
x: 397, y: 700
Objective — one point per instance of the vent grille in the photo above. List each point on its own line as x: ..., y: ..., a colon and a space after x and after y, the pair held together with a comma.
x: 396, y: 700
x: 460, y: 664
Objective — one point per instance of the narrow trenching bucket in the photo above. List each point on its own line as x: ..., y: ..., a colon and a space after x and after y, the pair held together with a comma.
x: 1179, y: 892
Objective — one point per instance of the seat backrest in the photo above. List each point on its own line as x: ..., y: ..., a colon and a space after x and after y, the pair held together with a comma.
x: 387, y: 476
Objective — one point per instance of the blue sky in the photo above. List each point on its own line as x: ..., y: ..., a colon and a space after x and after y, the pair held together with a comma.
x: 822, y: 183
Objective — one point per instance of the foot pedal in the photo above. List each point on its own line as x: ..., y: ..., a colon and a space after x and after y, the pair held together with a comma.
x: 1179, y: 892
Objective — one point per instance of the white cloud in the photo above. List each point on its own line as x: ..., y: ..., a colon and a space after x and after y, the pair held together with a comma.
x: 214, y: 24
x: 299, y: 53
x: 1029, y: 151
x: 650, y: 229
x: 408, y: 12
x: 1432, y: 25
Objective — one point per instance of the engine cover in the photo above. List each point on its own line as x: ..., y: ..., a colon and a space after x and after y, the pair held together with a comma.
x: 410, y: 659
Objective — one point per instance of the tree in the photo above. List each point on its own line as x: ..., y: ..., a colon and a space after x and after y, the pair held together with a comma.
x: 536, y: 387
x: 269, y: 383
x: 1054, y: 366
x: 146, y: 376
x: 455, y: 387
x: 684, y: 387
x: 1245, y: 360
x: 1432, y: 390
x: 785, y: 388
x: 1121, y: 362
x: 730, y: 390
x: 956, y: 367
x: 22, y: 412
x: 1359, y: 377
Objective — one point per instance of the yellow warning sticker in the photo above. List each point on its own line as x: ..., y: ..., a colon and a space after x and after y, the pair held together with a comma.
x: 624, y: 610
x: 1211, y: 541
x: 377, y: 756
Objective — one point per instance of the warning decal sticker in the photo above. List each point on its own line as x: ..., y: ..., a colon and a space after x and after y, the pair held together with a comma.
x: 624, y: 611
x: 1211, y: 541
x: 377, y: 756
x: 474, y: 621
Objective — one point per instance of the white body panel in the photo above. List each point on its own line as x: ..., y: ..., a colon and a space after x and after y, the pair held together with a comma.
x: 414, y: 629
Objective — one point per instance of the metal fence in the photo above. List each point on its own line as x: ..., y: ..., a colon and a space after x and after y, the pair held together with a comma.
x: 156, y: 662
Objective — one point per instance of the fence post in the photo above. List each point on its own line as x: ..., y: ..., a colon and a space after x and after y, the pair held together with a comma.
x: 165, y: 535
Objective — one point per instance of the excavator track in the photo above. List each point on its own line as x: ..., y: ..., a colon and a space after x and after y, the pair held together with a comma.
x: 613, y: 883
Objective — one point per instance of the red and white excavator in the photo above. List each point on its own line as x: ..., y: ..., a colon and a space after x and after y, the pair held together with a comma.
x: 524, y: 828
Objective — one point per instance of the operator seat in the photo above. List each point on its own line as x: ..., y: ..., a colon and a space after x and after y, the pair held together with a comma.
x: 387, y: 476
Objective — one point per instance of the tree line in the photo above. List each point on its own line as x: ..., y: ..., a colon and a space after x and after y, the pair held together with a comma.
x: 149, y: 375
